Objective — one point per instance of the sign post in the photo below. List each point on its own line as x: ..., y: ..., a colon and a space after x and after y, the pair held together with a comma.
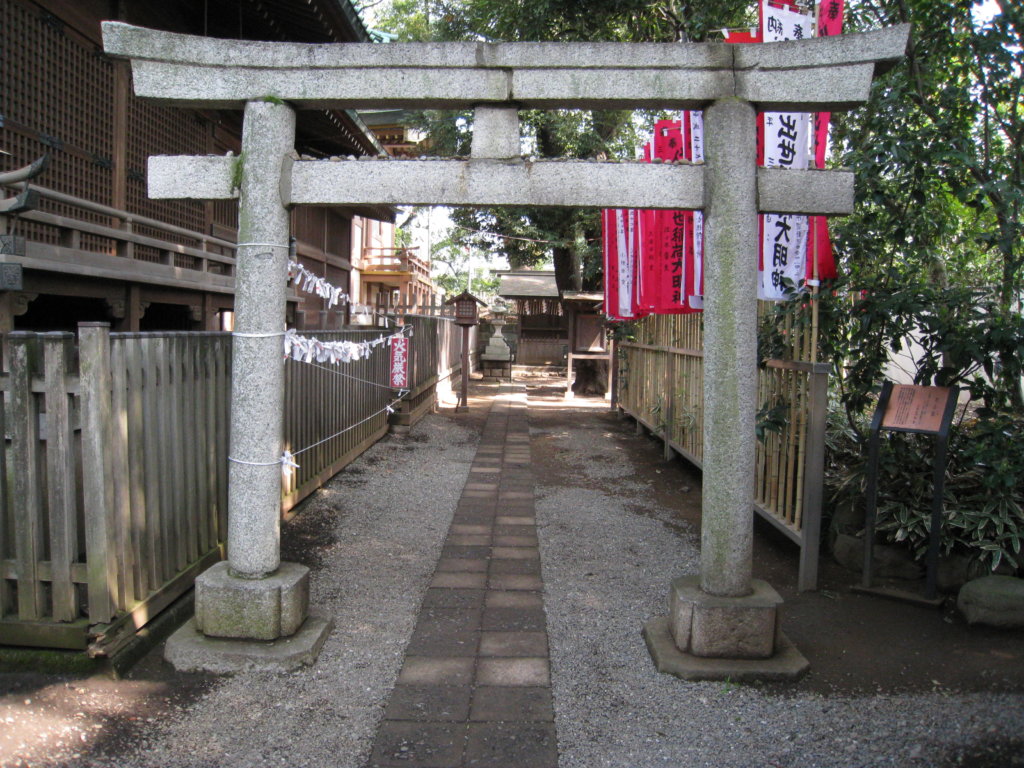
x: 400, y: 363
x: 467, y: 313
x: 917, y: 410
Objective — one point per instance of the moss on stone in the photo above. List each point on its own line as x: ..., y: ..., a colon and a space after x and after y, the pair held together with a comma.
x: 48, y: 661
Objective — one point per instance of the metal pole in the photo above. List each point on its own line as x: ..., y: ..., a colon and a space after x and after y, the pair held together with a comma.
x: 870, y: 508
x: 464, y: 395
x: 935, y: 534
x: 871, y: 490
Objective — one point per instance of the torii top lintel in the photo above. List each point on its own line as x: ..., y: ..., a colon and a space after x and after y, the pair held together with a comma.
x: 822, y: 74
x: 497, y: 79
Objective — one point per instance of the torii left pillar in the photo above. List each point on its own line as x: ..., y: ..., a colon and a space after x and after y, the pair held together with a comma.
x: 252, y: 610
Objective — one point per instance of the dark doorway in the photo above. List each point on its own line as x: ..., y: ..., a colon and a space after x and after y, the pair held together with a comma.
x: 166, y: 317
x: 61, y: 313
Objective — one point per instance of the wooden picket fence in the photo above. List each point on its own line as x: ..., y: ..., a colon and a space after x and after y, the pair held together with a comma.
x: 661, y: 386
x: 435, y: 360
x: 113, y: 476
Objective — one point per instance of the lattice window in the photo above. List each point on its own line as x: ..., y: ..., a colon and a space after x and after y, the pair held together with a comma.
x: 225, y: 218
x: 160, y: 131
x: 56, y: 96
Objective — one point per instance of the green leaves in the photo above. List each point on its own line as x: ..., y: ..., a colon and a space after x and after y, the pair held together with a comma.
x: 570, y: 239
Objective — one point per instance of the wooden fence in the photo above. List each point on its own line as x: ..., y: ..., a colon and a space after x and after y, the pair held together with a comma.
x: 661, y: 386
x: 435, y: 357
x: 113, y: 476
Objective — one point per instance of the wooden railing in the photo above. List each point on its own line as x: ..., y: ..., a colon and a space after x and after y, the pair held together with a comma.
x: 435, y: 359
x: 333, y: 413
x: 118, y: 490
x: 661, y: 386
x: 105, y: 242
x: 113, y: 479
x: 393, y: 260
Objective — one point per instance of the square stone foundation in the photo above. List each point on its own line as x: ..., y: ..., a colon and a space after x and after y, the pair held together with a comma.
x: 787, y: 665
x: 188, y: 650
x: 709, y: 626
x: 252, y: 609
x: 496, y: 367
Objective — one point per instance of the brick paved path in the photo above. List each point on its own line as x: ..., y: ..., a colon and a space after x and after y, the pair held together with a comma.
x: 475, y: 686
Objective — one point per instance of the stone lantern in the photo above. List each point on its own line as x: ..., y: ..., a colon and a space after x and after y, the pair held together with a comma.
x: 497, y: 356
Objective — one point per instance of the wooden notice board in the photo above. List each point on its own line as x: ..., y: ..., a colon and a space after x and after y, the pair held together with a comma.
x: 916, y: 409
x: 923, y: 410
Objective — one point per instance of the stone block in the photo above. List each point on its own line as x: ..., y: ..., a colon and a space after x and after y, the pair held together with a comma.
x: 879, y: 47
x: 994, y: 600
x: 811, y: 192
x: 252, y: 609
x: 619, y: 88
x: 709, y: 626
x: 200, y: 177
x: 188, y: 650
x: 222, y: 87
x: 497, y: 182
x: 495, y: 132
x: 837, y: 88
x: 787, y: 665
x: 190, y: 70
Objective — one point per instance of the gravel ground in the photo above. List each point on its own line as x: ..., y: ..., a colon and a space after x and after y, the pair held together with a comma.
x: 607, y: 566
x: 372, y: 538
x: 391, y: 510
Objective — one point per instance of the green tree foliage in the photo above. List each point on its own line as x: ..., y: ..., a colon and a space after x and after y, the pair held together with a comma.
x: 939, y: 159
x: 452, y: 264
x: 569, y: 238
x: 934, y: 254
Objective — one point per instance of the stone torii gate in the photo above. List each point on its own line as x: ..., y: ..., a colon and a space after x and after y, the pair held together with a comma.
x: 722, y: 623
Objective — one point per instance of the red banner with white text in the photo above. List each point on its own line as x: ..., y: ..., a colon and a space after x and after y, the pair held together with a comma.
x: 654, y: 258
x: 622, y: 241
x: 399, y: 362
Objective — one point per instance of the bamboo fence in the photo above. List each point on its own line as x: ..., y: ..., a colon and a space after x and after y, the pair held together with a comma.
x: 661, y: 385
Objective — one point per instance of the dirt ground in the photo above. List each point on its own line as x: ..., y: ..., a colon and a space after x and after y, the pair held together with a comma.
x: 856, y: 644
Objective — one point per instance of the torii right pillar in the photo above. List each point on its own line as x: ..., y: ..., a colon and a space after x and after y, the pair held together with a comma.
x: 722, y: 623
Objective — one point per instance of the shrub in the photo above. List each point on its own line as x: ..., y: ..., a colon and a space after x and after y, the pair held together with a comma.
x: 983, y: 511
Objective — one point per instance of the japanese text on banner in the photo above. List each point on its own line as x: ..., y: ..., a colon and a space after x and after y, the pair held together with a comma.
x: 400, y: 362
x: 786, y: 145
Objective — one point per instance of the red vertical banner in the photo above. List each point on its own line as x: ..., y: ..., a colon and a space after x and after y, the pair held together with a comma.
x: 783, y: 263
x: 830, y: 23
x: 665, y: 253
x: 648, y: 256
x: 399, y: 362
x: 621, y: 242
x: 693, y: 276
x: 609, y: 252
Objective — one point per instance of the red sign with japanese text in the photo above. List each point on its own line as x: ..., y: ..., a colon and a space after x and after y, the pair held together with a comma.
x: 400, y: 362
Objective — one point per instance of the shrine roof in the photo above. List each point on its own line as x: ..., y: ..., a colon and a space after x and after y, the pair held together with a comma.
x: 533, y: 284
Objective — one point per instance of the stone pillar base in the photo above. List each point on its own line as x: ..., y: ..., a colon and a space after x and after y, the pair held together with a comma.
x: 496, y: 367
x: 190, y: 651
x: 706, y: 637
x: 243, y: 624
x: 787, y: 665
x: 724, y: 627
x: 252, y: 609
